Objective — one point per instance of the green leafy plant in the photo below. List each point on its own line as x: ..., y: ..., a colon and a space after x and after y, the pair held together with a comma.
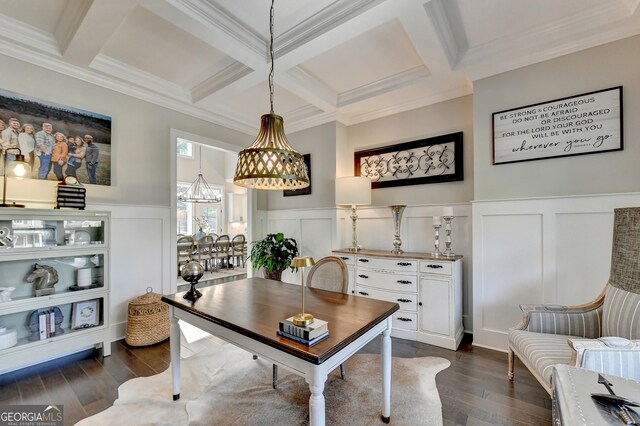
x: 273, y: 253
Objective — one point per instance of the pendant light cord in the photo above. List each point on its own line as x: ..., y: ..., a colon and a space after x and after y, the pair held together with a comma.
x: 271, y: 55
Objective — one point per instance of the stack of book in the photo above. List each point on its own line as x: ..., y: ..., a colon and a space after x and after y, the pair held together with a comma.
x: 308, y: 335
x: 46, y: 324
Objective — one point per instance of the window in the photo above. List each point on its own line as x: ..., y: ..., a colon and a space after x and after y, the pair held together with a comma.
x: 184, y: 148
x: 210, y: 220
x: 184, y: 212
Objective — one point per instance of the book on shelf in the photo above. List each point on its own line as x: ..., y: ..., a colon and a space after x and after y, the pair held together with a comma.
x: 309, y: 342
x: 316, y: 328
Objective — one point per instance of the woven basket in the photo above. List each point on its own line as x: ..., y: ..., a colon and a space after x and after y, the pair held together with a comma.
x: 148, y: 320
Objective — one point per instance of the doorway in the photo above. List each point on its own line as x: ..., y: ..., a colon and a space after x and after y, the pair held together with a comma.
x: 215, y: 160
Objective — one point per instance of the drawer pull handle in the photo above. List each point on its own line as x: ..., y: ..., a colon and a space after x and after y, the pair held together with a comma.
x: 363, y: 260
x: 405, y: 300
x: 404, y: 282
x: 363, y: 293
x: 434, y: 266
x: 420, y: 303
x: 363, y: 276
x: 404, y: 319
x: 404, y: 263
x: 344, y: 258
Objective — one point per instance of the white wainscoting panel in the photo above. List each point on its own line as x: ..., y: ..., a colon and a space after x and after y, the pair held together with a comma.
x: 140, y: 257
x: 545, y: 250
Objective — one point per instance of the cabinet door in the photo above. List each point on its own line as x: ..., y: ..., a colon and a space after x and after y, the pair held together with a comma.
x: 435, y: 312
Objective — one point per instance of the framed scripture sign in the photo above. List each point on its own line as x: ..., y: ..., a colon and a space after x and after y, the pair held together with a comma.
x: 85, y: 314
x: 431, y: 160
x: 585, y: 124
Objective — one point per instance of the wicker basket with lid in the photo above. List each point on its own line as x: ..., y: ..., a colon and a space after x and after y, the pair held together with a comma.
x: 148, y: 321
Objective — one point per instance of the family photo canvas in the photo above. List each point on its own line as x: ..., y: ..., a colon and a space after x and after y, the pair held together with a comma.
x: 56, y: 140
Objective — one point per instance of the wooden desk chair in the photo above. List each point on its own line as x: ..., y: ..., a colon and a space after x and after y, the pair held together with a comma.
x: 185, y: 250
x: 205, y: 251
x: 221, y: 250
x: 329, y: 273
x: 239, y: 249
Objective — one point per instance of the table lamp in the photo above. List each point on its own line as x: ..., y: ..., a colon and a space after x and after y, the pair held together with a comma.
x: 18, y: 168
x: 303, y: 319
x: 353, y: 191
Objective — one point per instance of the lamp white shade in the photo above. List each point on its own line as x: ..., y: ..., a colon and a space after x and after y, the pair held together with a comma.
x: 353, y: 191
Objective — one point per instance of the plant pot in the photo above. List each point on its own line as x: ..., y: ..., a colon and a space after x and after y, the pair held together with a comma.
x: 276, y: 274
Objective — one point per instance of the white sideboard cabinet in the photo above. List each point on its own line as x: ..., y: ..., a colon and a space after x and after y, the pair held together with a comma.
x: 39, y: 322
x: 428, y: 290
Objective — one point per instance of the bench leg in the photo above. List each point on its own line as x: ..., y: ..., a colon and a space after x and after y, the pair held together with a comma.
x: 511, y: 366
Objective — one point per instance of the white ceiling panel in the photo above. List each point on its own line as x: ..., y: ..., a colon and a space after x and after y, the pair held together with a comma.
x: 151, y: 44
x: 43, y: 15
x: 382, y: 52
x: 348, y: 60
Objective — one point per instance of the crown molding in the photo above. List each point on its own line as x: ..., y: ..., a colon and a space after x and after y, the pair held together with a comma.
x: 506, y: 54
x: 317, y: 120
x: 214, y: 83
x: 59, y: 66
x: 306, y: 86
x: 118, y: 69
x: 303, y: 113
x: 405, y: 78
x: 455, y: 92
x: 330, y: 17
x: 210, y: 13
x: 28, y: 35
x: 442, y: 26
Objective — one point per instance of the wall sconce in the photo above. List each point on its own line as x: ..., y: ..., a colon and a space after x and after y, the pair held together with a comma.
x: 18, y: 168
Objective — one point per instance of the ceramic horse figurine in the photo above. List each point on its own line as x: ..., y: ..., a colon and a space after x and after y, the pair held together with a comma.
x: 45, y: 278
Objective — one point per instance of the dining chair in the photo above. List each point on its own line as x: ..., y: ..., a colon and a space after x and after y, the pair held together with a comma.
x: 221, y: 250
x: 329, y: 273
x: 205, y: 251
x: 239, y: 249
x: 185, y: 250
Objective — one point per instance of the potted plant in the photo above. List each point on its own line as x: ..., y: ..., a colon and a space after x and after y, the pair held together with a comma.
x: 274, y: 254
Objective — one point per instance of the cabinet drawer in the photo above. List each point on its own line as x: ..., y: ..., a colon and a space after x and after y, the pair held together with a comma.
x: 404, y: 320
x: 407, y: 302
x: 349, y: 259
x: 402, y: 265
x: 386, y: 281
x: 435, y: 267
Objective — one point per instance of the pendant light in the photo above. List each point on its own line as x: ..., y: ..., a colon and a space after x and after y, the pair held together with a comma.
x: 199, y: 191
x: 270, y: 162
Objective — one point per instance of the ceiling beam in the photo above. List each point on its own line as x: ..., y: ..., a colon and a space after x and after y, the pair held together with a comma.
x: 86, y: 26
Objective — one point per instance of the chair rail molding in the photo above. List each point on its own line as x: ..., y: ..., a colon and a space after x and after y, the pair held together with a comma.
x: 538, y: 250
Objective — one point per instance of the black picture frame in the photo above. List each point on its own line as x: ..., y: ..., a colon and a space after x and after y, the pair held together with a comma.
x: 430, y: 160
x: 303, y: 191
x: 588, y: 123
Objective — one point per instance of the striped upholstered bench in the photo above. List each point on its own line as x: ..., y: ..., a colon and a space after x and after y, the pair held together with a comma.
x: 603, y: 335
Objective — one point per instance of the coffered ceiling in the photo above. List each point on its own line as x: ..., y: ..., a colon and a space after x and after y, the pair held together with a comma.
x: 344, y: 60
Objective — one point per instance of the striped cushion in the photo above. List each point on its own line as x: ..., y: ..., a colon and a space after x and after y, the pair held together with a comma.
x: 621, y: 314
x: 623, y: 363
x: 541, y: 351
x: 583, y: 324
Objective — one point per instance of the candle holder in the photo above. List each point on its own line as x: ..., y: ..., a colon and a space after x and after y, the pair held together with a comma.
x: 436, y: 242
x: 396, y: 212
x: 447, y: 231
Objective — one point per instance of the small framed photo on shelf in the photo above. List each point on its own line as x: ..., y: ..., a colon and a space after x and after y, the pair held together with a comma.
x: 85, y: 314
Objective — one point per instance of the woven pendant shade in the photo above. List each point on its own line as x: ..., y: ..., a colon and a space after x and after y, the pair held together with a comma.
x: 270, y: 162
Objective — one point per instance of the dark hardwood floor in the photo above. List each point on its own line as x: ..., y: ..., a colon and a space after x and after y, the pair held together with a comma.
x: 474, y: 390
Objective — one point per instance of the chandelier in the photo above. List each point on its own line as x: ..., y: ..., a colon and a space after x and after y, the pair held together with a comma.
x: 199, y: 191
x: 270, y: 162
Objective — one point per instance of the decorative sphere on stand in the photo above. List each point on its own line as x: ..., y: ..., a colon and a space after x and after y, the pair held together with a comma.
x: 192, y: 271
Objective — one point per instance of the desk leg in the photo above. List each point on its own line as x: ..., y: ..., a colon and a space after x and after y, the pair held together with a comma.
x: 386, y: 372
x: 174, y: 343
x: 316, y: 401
